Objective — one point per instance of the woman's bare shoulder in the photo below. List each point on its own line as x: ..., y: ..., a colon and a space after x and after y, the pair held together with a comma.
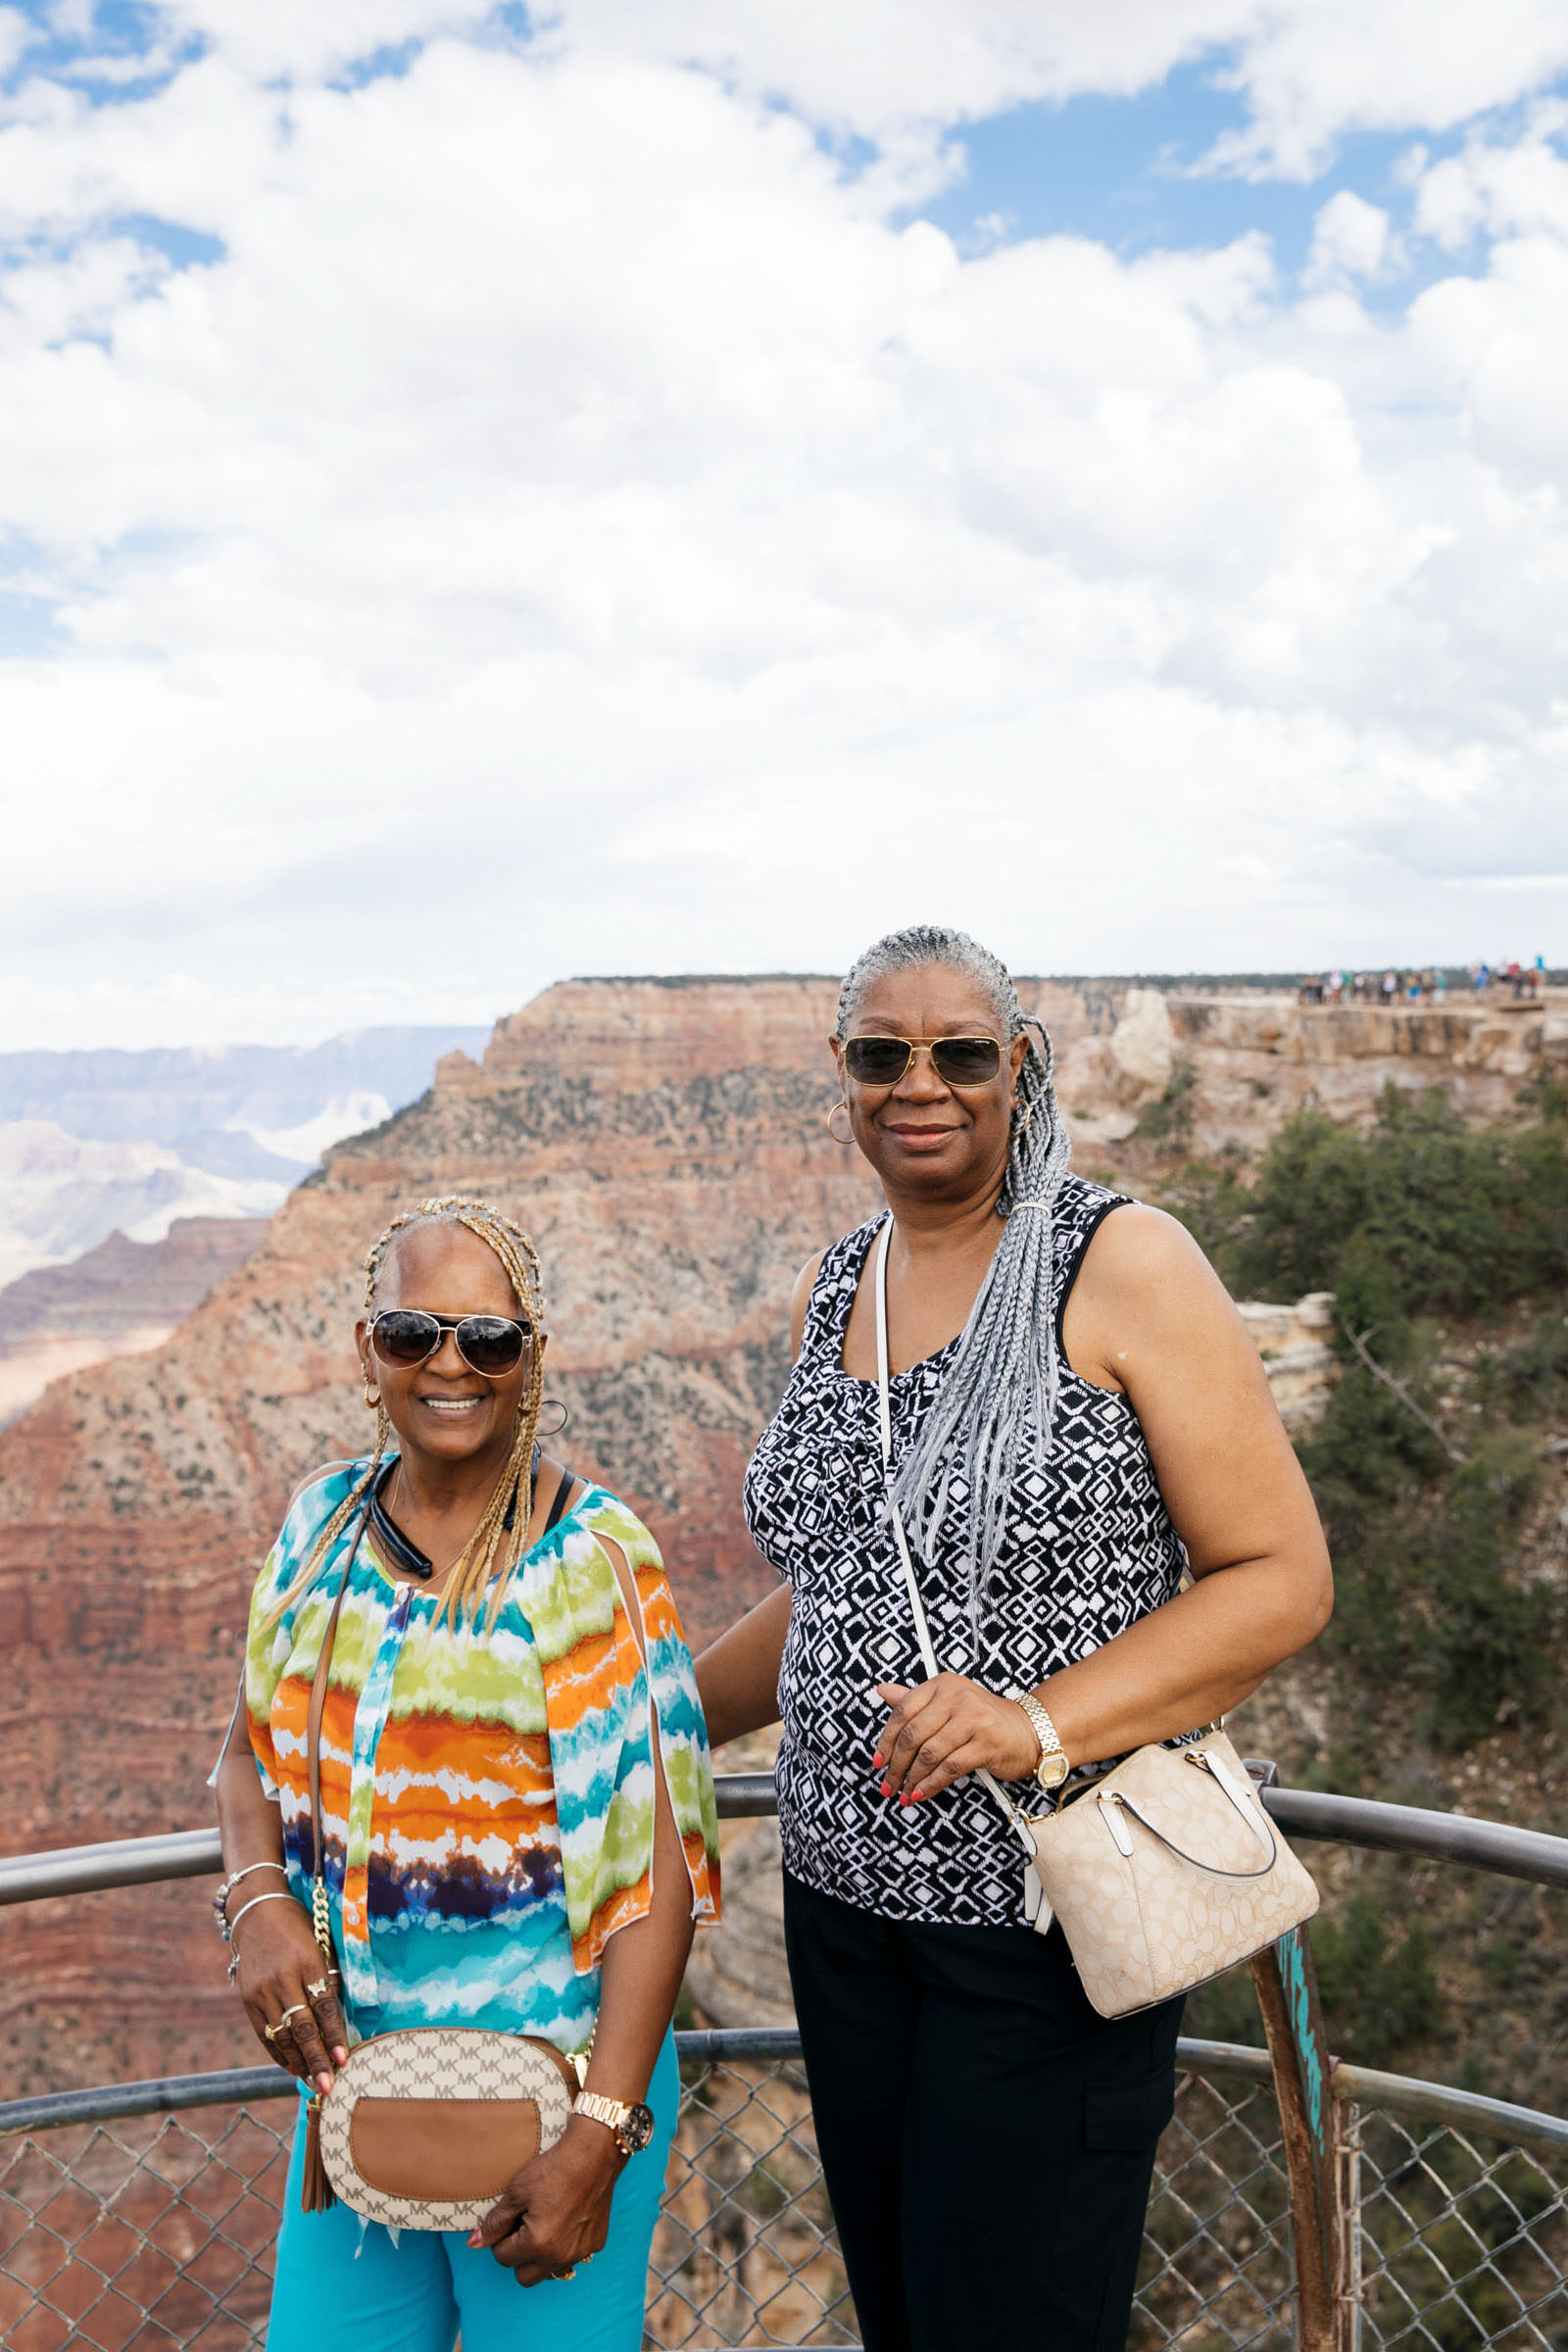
x: 1138, y: 1244
x: 1146, y: 1290
x: 800, y: 1299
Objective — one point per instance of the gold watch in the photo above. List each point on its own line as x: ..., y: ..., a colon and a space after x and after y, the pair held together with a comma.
x: 629, y: 2123
x: 1053, y: 1768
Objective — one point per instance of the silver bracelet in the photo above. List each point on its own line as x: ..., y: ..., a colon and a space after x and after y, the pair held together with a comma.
x: 223, y: 1893
x: 251, y: 1905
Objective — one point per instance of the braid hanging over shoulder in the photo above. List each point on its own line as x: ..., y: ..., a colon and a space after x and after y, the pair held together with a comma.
x: 995, y: 1412
x: 497, y: 1543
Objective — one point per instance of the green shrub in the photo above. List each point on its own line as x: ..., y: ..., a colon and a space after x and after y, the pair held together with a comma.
x: 1380, y: 1993
x: 1488, y: 1648
x: 1419, y: 1214
x: 1169, y: 1119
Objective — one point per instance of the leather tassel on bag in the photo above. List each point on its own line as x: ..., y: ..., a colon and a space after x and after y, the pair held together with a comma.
x: 316, y: 2189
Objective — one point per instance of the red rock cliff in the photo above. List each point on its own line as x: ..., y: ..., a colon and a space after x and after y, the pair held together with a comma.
x: 664, y: 1144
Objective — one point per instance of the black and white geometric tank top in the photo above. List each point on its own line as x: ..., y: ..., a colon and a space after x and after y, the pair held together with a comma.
x: 1089, y: 1548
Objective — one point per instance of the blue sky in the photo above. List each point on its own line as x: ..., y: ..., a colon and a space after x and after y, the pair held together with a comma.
x: 427, y: 426
x: 1129, y: 173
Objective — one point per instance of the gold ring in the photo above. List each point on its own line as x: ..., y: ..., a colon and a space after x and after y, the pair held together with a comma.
x: 564, y: 2276
x: 272, y: 2032
x: 300, y: 2009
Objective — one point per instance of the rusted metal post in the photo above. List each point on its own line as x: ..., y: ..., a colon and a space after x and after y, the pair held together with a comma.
x: 1347, y: 2290
x: 1293, y: 2021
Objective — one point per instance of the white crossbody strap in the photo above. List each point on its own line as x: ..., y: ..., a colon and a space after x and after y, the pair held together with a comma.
x: 923, y: 1632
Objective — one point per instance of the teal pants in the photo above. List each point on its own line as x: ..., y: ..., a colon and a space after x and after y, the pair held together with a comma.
x: 368, y: 2295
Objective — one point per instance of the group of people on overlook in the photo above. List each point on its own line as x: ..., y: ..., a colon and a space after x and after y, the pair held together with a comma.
x: 1426, y: 986
x: 511, y: 1740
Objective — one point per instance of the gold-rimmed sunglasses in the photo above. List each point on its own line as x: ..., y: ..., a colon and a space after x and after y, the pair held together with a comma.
x: 956, y: 1060
x: 490, y: 1345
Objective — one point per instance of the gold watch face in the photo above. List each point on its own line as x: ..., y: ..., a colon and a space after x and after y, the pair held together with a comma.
x: 1052, y: 1769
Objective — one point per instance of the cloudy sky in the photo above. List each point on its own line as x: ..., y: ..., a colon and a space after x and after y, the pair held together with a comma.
x: 686, y: 484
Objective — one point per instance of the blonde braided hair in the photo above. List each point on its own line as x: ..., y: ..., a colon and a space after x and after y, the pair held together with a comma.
x: 503, y: 1528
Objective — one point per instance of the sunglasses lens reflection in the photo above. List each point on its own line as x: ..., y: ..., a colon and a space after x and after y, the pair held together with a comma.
x: 876, y: 1060
x: 966, y: 1061
x: 489, y: 1343
x: 405, y: 1336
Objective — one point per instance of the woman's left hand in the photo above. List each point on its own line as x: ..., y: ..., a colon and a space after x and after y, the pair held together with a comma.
x: 943, y: 1729
x: 555, y: 2213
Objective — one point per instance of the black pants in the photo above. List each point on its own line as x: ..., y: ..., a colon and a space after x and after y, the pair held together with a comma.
x: 987, y: 2140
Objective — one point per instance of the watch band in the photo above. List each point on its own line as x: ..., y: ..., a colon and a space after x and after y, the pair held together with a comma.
x: 630, y: 2123
x: 1053, y: 1767
x: 613, y: 2111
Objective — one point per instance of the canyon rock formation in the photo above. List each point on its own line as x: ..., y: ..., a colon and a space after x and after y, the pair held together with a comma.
x: 665, y: 1146
x: 664, y: 1142
x: 120, y: 1299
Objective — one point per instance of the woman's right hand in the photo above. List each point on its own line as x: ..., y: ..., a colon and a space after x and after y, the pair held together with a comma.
x: 281, y: 1969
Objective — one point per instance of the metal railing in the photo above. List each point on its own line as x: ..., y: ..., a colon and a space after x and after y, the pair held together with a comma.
x: 145, y: 2213
x: 1310, y: 1813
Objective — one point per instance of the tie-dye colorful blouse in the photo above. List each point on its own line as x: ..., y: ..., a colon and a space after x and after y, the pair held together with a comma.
x: 487, y: 1799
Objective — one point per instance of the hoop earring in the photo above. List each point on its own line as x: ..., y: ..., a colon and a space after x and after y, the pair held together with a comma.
x: 1022, y: 1113
x: 839, y: 1106
x: 372, y: 1396
x: 558, y: 1405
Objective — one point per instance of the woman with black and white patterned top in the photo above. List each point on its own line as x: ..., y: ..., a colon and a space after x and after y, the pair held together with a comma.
x: 1078, y: 1416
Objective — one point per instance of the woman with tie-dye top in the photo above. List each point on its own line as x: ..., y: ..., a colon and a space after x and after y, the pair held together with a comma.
x: 517, y: 1808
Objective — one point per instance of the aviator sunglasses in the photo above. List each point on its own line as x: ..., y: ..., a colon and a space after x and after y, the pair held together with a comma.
x: 490, y: 1345
x: 956, y: 1060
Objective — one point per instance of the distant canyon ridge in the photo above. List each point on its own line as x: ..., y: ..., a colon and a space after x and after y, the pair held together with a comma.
x: 664, y: 1143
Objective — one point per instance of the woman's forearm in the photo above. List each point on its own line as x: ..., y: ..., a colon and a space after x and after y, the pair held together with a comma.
x: 737, y: 1675
x: 1174, y: 1671
x: 641, y: 1972
x: 1190, y: 1662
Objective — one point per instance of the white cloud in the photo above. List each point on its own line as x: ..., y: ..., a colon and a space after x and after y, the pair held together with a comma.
x: 1308, y: 71
x: 15, y: 34
x: 1350, y: 239
x: 1313, y: 71
x: 573, y: 527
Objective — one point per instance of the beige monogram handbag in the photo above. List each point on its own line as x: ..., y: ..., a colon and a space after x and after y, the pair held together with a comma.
x: 425, y: 2127
x: 1163, y: 1873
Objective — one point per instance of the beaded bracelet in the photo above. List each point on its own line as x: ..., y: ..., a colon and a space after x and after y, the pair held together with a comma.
x: 221, y: 1894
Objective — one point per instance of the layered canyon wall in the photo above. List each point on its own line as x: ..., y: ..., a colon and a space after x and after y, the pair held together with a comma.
x: 665, y: 1146
x: 664, y: 1143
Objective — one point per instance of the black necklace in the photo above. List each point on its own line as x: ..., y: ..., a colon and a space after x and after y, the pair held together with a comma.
x: 399, y: 1550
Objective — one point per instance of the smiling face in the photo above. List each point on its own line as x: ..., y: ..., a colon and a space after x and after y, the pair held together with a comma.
x: 921, y: 1135
x: 443, y: 1409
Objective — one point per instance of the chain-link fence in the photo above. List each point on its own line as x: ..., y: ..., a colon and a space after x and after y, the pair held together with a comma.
x: 152, y: 2233
x: 1463, y: 2241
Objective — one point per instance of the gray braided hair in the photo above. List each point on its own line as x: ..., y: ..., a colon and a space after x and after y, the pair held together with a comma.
x: 994, y: 1411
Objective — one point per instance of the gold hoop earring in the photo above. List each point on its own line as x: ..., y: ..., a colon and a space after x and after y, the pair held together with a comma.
x: 839, y: 1106
x: 1022, y: 1113
x: 372, y: 1396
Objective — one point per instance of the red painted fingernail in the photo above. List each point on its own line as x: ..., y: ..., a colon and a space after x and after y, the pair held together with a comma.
x: 876, y: 1758
x: 916, y: 1795
x: 885, y: 1788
